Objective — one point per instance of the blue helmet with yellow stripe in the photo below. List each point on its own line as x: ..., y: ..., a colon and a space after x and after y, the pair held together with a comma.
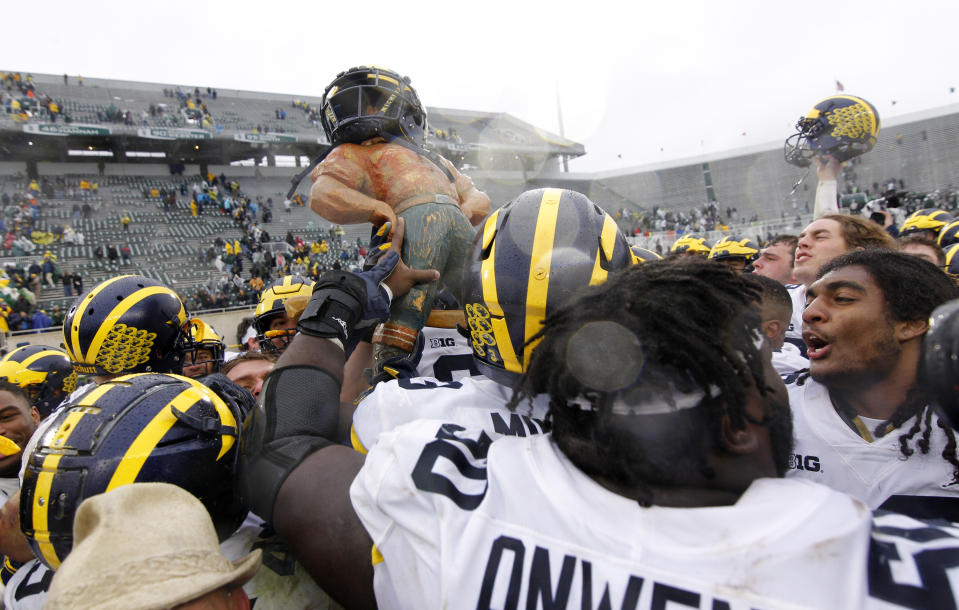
x: 127, y: 324
x: 44, y: 372
x: 135, y: 428
x: 527, y: 259
x: 841, y: 126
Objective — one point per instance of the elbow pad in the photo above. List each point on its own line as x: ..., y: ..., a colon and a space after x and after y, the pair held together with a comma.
x: 296, y: 416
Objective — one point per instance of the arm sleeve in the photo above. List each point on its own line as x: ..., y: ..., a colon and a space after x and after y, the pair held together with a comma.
x: 827, y: 198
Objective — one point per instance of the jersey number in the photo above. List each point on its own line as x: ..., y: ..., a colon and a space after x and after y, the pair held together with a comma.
x: 449, y: 447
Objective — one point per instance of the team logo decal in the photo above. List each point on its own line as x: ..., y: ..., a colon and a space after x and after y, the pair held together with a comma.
x: 482, y: 339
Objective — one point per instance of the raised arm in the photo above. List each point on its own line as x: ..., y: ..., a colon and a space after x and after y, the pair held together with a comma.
x: 294, y: 473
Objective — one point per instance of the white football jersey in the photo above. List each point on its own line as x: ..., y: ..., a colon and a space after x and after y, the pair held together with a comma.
x: 797, y: 292
x: 27, y: 588
x: 788, y: 360
x: 828, y: 451
x: 280, y: 583
x: 472, y: 402
x: 459, y: 521
x: 446, y: 355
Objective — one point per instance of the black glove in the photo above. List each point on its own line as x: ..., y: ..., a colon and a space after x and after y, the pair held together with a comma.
x: 343, y: 301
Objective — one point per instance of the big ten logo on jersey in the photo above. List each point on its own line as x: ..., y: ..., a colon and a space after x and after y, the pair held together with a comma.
x: 523, y: 574
x: 809, y: 463
x: 438, y: 342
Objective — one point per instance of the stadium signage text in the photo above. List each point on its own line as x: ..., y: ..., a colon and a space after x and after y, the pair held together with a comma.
x: 160, y: 133
x: 52, y: 129
x: 263, y: 137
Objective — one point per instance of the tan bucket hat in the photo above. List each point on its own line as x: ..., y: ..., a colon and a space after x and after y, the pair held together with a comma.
x: 144, y: 546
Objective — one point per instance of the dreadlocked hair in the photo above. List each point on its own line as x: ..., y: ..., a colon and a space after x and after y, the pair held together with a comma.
x: 916, y: 407
x: 685, y: 327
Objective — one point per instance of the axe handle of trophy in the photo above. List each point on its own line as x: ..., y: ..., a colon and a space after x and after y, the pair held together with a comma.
x: 446, y: 318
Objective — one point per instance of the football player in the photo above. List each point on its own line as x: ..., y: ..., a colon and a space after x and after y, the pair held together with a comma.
x: 126, y: 324
x: 656, y: 462
x: 45, y: 373
x: 777, y: 308
x: 207, y: 351
x: 863, y: 425
x: 821, y: 241
x: 776, y: 259
x: 18, y: 421
x: 922, y: 246
x: 739, y: 254
x: 273, y: 325
x: 528, y: 257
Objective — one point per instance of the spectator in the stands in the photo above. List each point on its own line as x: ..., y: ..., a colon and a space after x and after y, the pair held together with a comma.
x: 41, y: 320
x: 35, y: 278
x: 113, y: 254
x: 77, y: 279
x: 125, y: 252
x: 67, y: 281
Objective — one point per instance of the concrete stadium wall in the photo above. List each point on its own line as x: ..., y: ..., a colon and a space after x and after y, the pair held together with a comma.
x: 225, y: 323
x: 8, y: 168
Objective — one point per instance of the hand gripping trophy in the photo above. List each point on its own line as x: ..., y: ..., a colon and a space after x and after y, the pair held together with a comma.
x: 377, y: 170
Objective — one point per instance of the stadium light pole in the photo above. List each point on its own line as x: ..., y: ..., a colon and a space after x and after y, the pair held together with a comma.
x: 562, y: 131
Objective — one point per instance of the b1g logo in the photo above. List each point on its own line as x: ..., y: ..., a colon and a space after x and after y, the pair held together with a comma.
x: 442, y: 342
x: 803, y: 462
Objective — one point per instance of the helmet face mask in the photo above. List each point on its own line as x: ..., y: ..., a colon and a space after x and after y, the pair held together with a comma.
x: 127, y: 324
x: 135, y: 428
x: 527, y: 259
x: 841, y: 126
x: 366, y: 102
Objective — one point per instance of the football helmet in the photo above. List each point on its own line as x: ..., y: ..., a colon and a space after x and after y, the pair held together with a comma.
x: 204, y: 336
x: 642, y: 255
x: 691, y: 244
x: 135, y: 428
x: 730, y: 248
x: 127, y: 324
x: 949, y: 235
x: 45, y: 373
x: 273, y: 304
x: 951, y: 265
x: 368, y: 101
x: 939, y: 360
x: 841, y: 126
x: 528, y: 257
x: 929, y: 219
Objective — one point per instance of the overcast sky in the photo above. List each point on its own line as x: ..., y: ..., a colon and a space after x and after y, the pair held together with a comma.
x: 637, y: 84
